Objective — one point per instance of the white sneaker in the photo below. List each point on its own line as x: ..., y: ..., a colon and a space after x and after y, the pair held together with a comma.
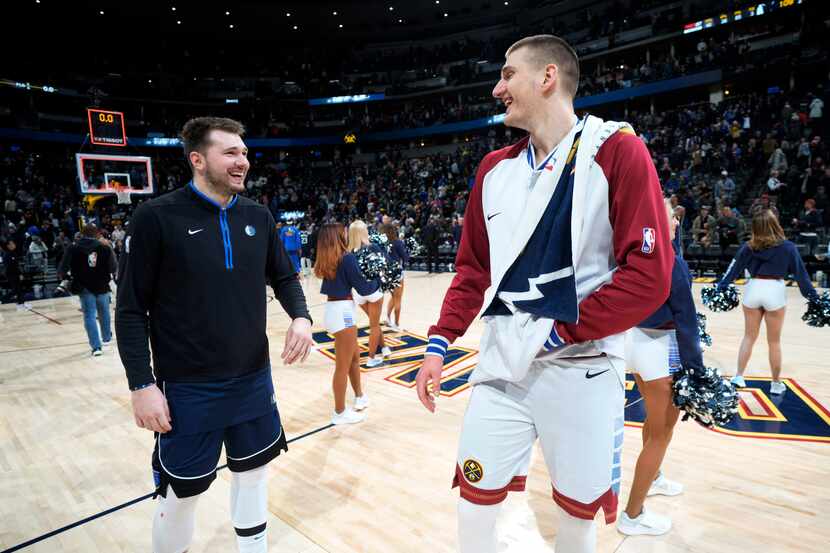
x: 361, y: 402
x: 647, y: 524
x: 386, y: 351
x: 664, y: 486
x: 347, y: 417
x: 97, y: 353
x: 777, y: 387
x: 374, y: 362
x: 738, y: 381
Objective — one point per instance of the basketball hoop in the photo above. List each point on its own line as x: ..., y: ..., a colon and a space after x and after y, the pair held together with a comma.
x: 123, y: 194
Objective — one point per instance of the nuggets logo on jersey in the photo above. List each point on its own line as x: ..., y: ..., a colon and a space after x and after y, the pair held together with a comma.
x: 473, y: 471
x: 649, y: 238
x: 793, y: 415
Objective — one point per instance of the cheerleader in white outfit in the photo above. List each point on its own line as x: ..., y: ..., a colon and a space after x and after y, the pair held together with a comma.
x: 338, y: 269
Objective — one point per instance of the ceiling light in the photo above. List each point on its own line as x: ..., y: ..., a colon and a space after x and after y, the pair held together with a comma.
x: 230, y: 26
x: 400, y: 20
x: 446, y: 14
x: 179, y: 22
x: 341, y: 25
x: 150, y: 81
x: 334, y: 13
x: 227, y: 13
x: 295, y: 27
x: 287, y: 14
x: 101, y: 12
x: 173, y: 8
x: 391, y: 8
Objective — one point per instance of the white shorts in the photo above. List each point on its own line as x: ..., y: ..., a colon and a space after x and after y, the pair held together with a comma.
x: 652, y: 353
x: 339, y: 315
x: 762, y: 293
x: 575, y: 408
x: 371, y: 298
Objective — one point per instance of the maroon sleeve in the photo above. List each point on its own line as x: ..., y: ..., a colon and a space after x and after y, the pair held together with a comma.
x: 463, y: 300
x: 642, y: 280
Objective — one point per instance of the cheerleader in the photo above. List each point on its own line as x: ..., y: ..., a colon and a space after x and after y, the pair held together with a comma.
x: 770, y: 258
x: 371, y: 304
x: 654, y: 350
x: 338, y: 269
x: 400, y: 255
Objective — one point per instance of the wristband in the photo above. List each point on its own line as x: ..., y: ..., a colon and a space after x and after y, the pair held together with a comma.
x: 437, y: 346
x: 142, y: 386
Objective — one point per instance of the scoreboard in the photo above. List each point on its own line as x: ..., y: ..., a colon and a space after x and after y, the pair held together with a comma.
x: 106, y: 128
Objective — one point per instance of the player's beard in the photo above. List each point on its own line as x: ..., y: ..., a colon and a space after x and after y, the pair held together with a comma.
x: 221, y: 182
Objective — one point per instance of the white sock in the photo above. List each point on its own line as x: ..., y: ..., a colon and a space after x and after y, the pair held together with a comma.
x: 477, y: 527
x: 575, y: 535
x: 249, y: 509
x: 173, y: 523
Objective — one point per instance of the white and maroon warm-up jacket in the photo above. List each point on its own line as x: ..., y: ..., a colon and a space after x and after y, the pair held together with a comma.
x: 622, y: 255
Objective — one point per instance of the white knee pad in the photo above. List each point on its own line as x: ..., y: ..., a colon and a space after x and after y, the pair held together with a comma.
x: 249, y: 509
x: 173, y: 523
x: 477, y: 527
x: 575, y: 535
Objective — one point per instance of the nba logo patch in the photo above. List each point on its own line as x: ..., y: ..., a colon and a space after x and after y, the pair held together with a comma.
x: 250, y: 231
x: 649, y: 238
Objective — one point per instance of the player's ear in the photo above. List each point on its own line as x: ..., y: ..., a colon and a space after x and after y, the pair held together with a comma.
x: 550, y: 78
x: 196, y: 159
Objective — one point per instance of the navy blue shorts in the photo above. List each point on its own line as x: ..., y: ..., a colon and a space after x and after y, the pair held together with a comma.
x: 239, y: 412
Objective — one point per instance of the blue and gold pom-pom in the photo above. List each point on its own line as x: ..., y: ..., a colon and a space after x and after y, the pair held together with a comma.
x: 818, y: 311
x: 705, y: 396
x: 704, y: 338
x: 720, y: 300
x: 413, y: 246
x: 374, y: 264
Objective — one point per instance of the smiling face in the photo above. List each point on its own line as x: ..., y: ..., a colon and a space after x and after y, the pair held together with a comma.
x: 223, y: 163
x: 520, y: 88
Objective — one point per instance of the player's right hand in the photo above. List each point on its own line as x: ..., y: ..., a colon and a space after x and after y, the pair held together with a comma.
x: 150, y: 409
x: 430, y: 371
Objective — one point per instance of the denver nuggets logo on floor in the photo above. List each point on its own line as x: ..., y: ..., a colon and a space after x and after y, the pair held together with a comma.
x: 793, y: 415
x: 407, y: 357
x: 473, y: 471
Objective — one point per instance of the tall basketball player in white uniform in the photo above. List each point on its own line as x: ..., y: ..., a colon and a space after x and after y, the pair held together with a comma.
x: 565, y: 245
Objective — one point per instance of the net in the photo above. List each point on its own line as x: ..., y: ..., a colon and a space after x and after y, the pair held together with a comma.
x: 123, y: 195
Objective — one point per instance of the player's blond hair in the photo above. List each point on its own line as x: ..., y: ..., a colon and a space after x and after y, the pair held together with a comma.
x: 550, y: 49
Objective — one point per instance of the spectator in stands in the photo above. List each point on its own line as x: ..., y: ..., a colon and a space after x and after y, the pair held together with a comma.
x: 431, y: 236
x: 37, y: 255
x: 457, y: 226
x: 816, y: 111
x: 730, y: 228
x: 725, y: 187
x: 11, y: 260
x: 703, y: 227
x: 92, y: 265
x: 773, y: 184
x: 809, y: 218
x: 778, y: 161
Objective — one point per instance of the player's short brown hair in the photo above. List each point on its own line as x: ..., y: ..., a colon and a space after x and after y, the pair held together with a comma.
x: 89, y: 230
x: 545, y: 49
x: 195, y: 134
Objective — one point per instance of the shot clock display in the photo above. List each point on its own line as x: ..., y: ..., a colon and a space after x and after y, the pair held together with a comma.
x: 106, y: 128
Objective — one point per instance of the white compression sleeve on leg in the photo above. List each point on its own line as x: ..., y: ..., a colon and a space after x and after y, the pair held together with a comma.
x: 249, y: 509
x: 575, y: 535
x: 173, y: 523
x: 477, y: 527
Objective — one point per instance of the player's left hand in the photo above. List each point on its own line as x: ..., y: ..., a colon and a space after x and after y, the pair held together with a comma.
x: 298, y: 341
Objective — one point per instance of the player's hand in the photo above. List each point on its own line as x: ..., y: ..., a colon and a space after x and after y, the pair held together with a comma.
x: 150, y: 409
x: 430, y: 371
x: 298, y: 341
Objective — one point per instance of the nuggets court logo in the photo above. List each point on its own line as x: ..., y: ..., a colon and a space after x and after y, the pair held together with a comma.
x: 473, y: 471
x: 250, y: 231
x: 649, y: 238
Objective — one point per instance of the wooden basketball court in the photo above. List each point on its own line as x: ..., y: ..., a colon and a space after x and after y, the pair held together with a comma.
x: 69, y: 449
